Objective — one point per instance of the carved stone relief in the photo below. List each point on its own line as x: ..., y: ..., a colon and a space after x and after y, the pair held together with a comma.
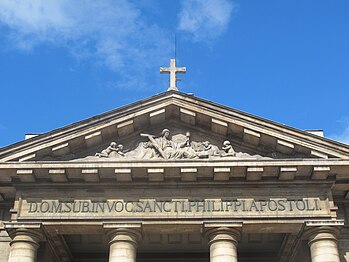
x: 113, y: 150
x: 180, y: 146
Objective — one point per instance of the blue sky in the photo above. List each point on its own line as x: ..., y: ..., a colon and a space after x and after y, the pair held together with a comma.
x: 64, y: 61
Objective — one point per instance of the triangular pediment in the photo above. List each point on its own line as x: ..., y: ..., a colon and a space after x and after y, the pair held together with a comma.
x: 250, y: 136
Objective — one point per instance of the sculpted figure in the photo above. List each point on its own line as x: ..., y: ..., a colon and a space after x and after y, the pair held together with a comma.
x: 120, y: 149
x: 113, y: 150
x: 210, y: 149
x: 166, y: 148
x: 228, y: 149
x: 207, y: 150
x: 189, y: 152
x: 118, y: 152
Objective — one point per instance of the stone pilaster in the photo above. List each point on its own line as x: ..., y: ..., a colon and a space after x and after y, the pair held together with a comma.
x: 123, y: 244
x: 24, y: 245
x: 223, y: 243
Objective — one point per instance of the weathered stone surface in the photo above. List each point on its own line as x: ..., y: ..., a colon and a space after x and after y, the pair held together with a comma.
x: 170, y: 166
x: 166, y: 147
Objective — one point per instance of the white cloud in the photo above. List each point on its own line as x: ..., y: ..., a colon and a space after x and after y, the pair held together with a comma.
x: 113, y: 33
x: 342, y: 137
x: 205, y: 20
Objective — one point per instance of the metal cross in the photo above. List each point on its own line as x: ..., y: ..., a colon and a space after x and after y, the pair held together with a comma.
x: 173, y: 71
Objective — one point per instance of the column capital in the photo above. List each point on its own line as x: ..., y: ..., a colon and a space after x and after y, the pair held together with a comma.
x: 322, y: 230
x: 28, y: 235
x: 33, y: 230
x: 24, y: 244
x: 321, y: 233
x: 124, y: 233
x: 123, y: 240
x: 223, y: 239
x: 223, y: 232
x: 322, y: 240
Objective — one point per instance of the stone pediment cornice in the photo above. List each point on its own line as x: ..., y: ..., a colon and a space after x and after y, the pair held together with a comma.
x: 186, y: 171
x: 189, y: 110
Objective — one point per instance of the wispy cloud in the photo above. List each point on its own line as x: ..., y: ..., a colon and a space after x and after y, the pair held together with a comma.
x: 119, y: 35
x: 344, y: 135
x: 205, y: 20
x: 113, y: 33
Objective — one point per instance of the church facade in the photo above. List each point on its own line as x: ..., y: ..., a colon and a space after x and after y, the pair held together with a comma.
x: 174, y: 178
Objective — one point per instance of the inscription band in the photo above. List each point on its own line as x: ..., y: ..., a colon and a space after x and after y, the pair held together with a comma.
x: 174, y: 206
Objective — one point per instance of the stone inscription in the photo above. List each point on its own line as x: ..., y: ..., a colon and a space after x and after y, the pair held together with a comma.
x: 175, y: 208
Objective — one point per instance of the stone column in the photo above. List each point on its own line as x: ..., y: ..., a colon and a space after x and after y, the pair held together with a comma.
x: 323, y: 244
x: 24, y: 245
x: 123, y: 244
x: 223, y: 243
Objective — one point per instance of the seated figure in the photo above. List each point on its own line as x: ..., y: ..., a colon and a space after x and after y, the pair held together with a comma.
x: 164, y: 147
x: 228, y: 149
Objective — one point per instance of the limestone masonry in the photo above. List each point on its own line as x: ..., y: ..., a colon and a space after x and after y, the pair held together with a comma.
x: 174, y: 178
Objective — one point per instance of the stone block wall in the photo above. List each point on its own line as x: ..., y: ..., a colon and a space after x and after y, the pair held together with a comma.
x: 4, y: 237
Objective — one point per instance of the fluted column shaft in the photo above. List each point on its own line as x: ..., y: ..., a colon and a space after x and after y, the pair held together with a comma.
x: 123, y: 244
x: 223, y: 243
x: 24, y: 245
x: 323, y: 245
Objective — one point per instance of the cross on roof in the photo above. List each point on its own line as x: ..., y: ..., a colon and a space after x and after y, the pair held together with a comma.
x: 173, y: 71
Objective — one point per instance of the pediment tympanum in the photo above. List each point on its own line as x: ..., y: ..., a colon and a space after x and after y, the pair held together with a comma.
x: 209, y: 125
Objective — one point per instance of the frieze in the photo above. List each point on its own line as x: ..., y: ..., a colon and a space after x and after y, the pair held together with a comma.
x: 175, y: 208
